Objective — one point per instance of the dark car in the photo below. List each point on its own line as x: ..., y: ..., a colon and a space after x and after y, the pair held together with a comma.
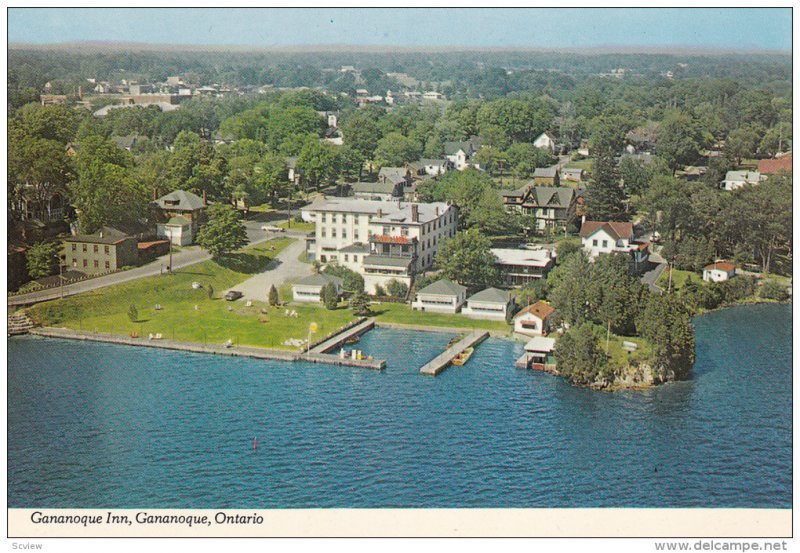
x: 233, y: 295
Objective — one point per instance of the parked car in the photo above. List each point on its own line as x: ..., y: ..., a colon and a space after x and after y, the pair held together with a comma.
x: 233, y: 295
x: 272, y: 228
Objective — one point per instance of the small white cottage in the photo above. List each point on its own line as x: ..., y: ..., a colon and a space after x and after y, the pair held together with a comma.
x: 443, y: 296
x: 719, y: 271
x: 534, y: 320
x: 491, y: 304
x: 310, y: 287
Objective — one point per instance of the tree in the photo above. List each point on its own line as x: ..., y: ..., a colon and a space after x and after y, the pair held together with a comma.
x: 468, y: 259
x: 351, y: 280
x: 579, y: 357
x: 665, y: 323
x: 223, y: 232
x: 318, y: 162
x: 273, y: 298
x: 743, y: 142
x: 330, y: 297
x: 394, y: 149
x: 42, y: 258
x: 524, y: 158
x: 606, y: 198
x: 133, y: 313
x: 396, y: 288
x: 359, y: 303
x: 567, y: 246
x: 479, y: 206
x: 210, y: 292
x: 679, y: 140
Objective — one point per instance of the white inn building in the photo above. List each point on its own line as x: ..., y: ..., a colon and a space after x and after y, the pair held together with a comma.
x: 380, y: 240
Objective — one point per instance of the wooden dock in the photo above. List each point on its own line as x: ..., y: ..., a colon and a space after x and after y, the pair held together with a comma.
x: 234, y: 351
x: 338, y: 340
x: 443, y: 360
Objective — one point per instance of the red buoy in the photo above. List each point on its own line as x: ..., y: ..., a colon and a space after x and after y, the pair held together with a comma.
x: 255, y: 443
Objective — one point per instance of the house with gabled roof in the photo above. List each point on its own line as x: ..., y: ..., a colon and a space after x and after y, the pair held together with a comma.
x: 535, y: 320
x: 443, y: 296
x: 546, y: 176
x: 546, y: 141
x: 552, y: 207
x: 599, y: 237
x: 773, y: 166
x: 460, y: 152
x: 490, y: 303
x: 719, y: 271
x: 104, y: 251
x: 178, y: 216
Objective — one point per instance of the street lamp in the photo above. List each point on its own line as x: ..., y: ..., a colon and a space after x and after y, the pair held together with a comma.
x: 60, y: 274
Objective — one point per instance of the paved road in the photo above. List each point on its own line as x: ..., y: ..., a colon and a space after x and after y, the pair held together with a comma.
x: 287, y: 266
x: 651, y: 276
x: 187, y: 256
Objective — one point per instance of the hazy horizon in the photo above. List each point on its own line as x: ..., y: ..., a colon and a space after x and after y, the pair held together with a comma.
x: 658, y: 30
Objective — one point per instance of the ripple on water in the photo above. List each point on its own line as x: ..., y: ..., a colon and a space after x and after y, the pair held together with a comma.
x: 96, y: 425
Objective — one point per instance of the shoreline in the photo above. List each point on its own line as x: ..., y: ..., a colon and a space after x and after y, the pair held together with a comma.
x: 268, y: 354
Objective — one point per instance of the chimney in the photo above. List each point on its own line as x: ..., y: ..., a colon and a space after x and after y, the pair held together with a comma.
x: 205, y: 201
x: 437, y: 211
x: 414, y: 213
x: 101, y: 233
x: 380, y: 213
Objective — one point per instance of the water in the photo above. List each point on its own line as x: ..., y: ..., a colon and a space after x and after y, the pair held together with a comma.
x: 96, y: 425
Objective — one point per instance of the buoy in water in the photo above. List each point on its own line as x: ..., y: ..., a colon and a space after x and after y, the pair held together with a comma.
x: 255, y: 443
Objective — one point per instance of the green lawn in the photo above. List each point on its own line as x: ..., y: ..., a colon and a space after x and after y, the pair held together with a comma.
x: 402, y: 313
x: 678, y: 278
x: 621, y: 357
x: 214, y: 321
x: 307, y: 227
x: 585, y: 164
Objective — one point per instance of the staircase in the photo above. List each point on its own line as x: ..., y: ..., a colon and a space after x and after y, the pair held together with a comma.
x: 19, y: 323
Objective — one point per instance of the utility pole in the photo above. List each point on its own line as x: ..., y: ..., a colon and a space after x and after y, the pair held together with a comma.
x: 61, y: 276
x: 608, y: 335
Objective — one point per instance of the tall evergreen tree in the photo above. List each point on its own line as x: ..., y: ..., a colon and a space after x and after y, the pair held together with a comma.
x: 606, y: 200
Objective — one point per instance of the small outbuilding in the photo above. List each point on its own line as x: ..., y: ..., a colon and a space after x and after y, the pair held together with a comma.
x: 534, y: 320
x: 719, y: 271
x: 443, y: 296
x: 539, y: 354
x: 310, y: 287
x: 491, y: 304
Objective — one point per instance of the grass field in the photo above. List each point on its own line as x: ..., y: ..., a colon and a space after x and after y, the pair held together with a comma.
x: 585, y: 164
x: 620, y: 357
x: 678, y: 278
x: 188, y: 314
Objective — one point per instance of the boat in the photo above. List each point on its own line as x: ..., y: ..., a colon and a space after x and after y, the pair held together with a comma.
x: 353, y: 340
x: 463, y: 357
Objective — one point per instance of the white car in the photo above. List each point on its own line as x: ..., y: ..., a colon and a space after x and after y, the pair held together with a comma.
x: 272, y: 228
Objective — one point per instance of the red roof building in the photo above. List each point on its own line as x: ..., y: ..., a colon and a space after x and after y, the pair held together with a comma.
x: 772, y: 166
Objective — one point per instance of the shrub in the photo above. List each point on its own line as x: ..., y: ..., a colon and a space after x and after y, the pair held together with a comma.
x: 360, y: 305
x: 396, y: 288
x: 379, y: 291
x: 210, y: 292
x: 273, y: 298
x: 133, y: 313
x: 772, y: 290
x: 330, y: 297
x: 351, y: 280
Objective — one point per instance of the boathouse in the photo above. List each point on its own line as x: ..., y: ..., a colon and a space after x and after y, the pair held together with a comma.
x: 534, y: 320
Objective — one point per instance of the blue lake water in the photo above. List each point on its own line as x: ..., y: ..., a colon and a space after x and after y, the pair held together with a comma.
x: 95, y: 425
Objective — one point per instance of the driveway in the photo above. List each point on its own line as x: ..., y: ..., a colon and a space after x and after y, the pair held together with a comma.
x: 187, y: 256
x: 287, y: 266
x: 649, y: 277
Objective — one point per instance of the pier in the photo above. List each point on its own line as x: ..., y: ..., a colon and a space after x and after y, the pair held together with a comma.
x: 443, y: 360
x: 233, y: 351
x: 338, y: 340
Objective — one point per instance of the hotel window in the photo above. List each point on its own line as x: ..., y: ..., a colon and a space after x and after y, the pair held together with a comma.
x: 107, y: 250
x: 404, y: 231
x: 85, y: 262
x: 355, y: 234
x: 74, y: 247
x: 333, y: 232
x: 108, y: 265
x: 95, y: 248
x: 344, y: 233
x: 96, y: 264
x: 385, y: 230
x: 84, y: 247
x: 322, y: 233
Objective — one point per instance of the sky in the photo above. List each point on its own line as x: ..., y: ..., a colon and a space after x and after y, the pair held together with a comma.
x: 712, y: 28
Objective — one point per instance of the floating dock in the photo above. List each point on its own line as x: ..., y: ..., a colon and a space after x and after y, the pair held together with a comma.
x: 443, y: 360
x: 338, y: 340
x: 234, y: 351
